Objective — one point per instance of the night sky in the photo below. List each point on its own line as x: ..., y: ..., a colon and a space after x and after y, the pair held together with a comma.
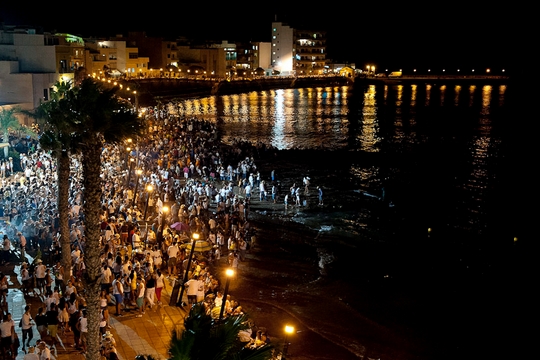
x: 408, y: 35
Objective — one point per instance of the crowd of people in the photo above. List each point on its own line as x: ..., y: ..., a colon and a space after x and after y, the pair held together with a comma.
x: 178, y: 173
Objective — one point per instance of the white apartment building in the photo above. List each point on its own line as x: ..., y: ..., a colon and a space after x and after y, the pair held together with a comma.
x: 297, y: 52
x: 282, y: 48
x: 28, y: 69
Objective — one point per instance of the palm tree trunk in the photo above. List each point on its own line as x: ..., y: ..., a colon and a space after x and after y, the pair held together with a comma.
x: 63, y: 162
x: 92, y: 194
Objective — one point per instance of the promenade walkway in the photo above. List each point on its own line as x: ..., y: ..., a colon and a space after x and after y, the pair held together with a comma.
x: 149, y: 335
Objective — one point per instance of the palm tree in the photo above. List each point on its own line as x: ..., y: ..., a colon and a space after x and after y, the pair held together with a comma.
x: 99, y: 117
x: 56, y: 133
x: 8, y: 121
x: 204, y: 339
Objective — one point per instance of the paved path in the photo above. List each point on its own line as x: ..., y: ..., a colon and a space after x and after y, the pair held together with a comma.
x: 149, y: 335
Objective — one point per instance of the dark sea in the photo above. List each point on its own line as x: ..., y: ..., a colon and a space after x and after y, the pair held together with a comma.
x: 415, y: 179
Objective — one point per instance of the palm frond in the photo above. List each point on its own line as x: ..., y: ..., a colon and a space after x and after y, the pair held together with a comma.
x: 204, y: 339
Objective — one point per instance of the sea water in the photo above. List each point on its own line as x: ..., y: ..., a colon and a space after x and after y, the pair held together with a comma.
x: 413, y: 175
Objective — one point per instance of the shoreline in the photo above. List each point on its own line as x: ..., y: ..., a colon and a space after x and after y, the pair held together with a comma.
x: 409, y: 314
x: 302, y: 294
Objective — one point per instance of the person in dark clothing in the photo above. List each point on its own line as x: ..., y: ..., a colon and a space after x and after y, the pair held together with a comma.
x: 73, y: 319
x: 52, y: 323
x: 41, y: 322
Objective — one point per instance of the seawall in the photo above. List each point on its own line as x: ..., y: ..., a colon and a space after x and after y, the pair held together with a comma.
x: 152, y: 91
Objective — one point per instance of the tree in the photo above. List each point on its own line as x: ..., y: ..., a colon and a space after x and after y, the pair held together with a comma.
x: 204, y: 339
x: 56, y: 131
x: 8, y: 121
x: 99, y: 117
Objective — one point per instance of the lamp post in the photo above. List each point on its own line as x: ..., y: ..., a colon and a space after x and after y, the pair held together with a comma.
x: 230, y: 274
x: 289, y: 330
x: 194, y: 238
x: 138, y: 172
x: 128, y: 151
x: 149, y: 189
x: 131, y: 161
x: 164, y: 211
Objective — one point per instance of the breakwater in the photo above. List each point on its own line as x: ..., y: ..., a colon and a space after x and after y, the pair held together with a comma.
x: 433, y: 79
x: 154, y: 90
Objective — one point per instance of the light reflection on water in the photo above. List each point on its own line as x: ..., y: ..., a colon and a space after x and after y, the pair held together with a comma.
x: 443, y: 131
x: 284, y: 119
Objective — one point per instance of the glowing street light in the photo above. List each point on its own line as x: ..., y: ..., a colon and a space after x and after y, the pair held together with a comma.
x: 289, y: 330
x: 138, y: 172
x: 230, y: 274
x: 149, y: 189
x: 194, y: 238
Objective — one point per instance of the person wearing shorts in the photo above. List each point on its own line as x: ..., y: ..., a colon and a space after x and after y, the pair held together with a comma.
x: 172, y: 252
x: 140, y: 296
x: 118, y: 293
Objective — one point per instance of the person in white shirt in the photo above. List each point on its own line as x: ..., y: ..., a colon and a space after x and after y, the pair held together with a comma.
x: 31, y: 355
x: 26, y: 326
x: 75, y: 254
x: 49, y: 300
x: 25, y: 279
x: 44, y: 351
x: 40, y: 272
x: 106, y: 277
x: 118, y: 293
x: 136, y: 239
x: 141, y: 288
x: 157, y: 257
x: 160, y: 284
x: 172, y: 252
x: 82, y: 326
x: 192, y: 288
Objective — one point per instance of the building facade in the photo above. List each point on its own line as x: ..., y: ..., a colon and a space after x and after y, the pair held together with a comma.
x: 296, y: 52
x: 29, y: 67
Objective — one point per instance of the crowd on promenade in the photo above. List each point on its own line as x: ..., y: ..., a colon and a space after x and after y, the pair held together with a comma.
x: 198, y: 184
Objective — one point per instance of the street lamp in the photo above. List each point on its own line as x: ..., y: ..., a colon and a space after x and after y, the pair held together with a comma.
x: 149, y: 189
x: 194, y: 238
x: 164, y: 211
x: 128, y: 152
x: 289, y: 330
x: 138, y: 172
x: 131, y: 161
x: 230, y: 274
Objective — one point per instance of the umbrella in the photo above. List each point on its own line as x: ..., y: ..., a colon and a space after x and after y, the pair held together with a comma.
x: 200, y: 246
x: 180, y: 226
